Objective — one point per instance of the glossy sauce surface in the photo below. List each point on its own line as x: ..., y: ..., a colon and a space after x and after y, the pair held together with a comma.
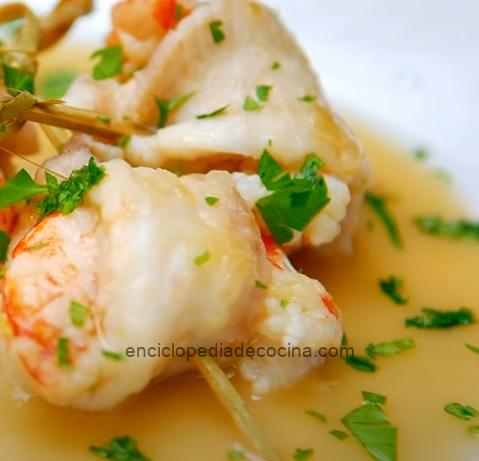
x: 180, y: 419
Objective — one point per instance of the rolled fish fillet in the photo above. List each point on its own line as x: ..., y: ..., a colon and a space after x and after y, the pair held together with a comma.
x: 147, y: 260
x: 257, y: 51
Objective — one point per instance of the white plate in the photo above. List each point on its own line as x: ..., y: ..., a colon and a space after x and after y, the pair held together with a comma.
x: 408, y: 68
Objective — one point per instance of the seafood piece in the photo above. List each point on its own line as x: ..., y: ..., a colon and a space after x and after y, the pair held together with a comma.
x: 146, y: 260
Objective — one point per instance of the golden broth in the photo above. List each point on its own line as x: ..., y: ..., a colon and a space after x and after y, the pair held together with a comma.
x: 181, y: 420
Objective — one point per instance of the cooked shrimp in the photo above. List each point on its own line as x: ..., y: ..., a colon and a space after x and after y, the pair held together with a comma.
x: 146, y: 260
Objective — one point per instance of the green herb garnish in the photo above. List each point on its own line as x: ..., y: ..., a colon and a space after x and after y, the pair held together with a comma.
x: 202, y: 259
x: 361, y: 363
x: 124, y: 141
x: 120, y: 449
x: 472, y: 348
x: 295, y: 201
x: 307, y: 98
x: 340, y: 435
x: 259, y: 284
x: 17, y: 79
x: 235, y: 455
x: 433, y: 318
x: 251, y: 104
x: 379, y: 206
x: 211, y: 200
x: 55, y: 85
x: 19, y: 188
x: 372, y: 428
x: 372, y: 397
x: 391, y: 287
x: 4, y: 243
x: 166, y: 106
x: 302, y: 454
x: 474, y: 430
x: 78, y: 313
x: 389, y: 348
x: 421, y: 154
x: 63, y: 353
x: 216, y: 31
x: 276, y: 65
x: 110, y: 63
x: 461, y: 411
x: 106, y: 119
x: 215, y: 113
x: 115, y: 356
x: 316, y: 414
x: 262, y: 92
x: 459, y: 229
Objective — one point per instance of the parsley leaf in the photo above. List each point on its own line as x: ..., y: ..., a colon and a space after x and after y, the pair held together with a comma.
x: 115, y: 356
x: 110, y: 63
x: 433, y: 318
x: 67, y: 195
x: 391, y: 286
x: 216, y: 31
x: 472, y: 348
x: 276, y: 65
x: 211, y: 200
x: 120, y: 449
x: 361, y: 363
x: 389, y: 348
x: 372, y: 397
x: 215, y: 113
x: 259, y: 284
x: 302, y: 454
x: 202, y: 259
x: 235, y: 454
x: 340, y: 435
x: 17, y: 79
x: 460, y: 229
x: 295, y: 201
x: 63, y: 352
x: 307, y: 98
x: 251, y: 104
x: 55, y: 85
x: 316, y: 414
x: 78, y: 313
x: 263, y: 91
x: 19, y: 188
x: 379, y: 206
x: 372, y: 428
x: 421, y: 154
x: 4, y: 243
x: 461, y: 411
x: 166, y: 106
x: 124, y: 141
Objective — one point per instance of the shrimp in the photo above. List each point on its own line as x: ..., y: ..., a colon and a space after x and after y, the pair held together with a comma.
x: 146, y: 260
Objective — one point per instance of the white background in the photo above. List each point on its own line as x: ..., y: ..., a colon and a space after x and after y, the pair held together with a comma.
x: 409, y: 68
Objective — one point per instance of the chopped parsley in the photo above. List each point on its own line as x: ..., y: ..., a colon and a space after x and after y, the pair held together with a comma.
x: 389, y: 348
x: 211, y: 201
x: 434, y: 318
x: 67, y: 195
x: 461, y: 411
x: 259, y: 284
x: 391, y: 287
x: 4, y: 243
x: 235, y: 454
x: 215, y: 113
x: 216, y: 31
x: 120, y: 449
x: 124, y: 141
x: 303, y: 454
x: 295, y: 201
x: 283, y: 303
x: 63, y: 197
x: 369, y: 424
x: 472, y: 348
x: 106, y: 119
x: 372, y: 397
x: 115, y: 356
x: 262, y: 92
x: 78, y: 313
x: 276, y: 65
x: 340, y: 435
x: 17, y: 79
x: 361, y: 363
x: 63, y: 353
x: 307, y: 98
x: 459, y: 229
x: 55, y: 85
x: 110, y: 63
x: 316, y: 414
x: 421, y: 154
x: 251, y: 104
x: 166, y: 106
x: 202, y: 259
x: 379, y: 206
